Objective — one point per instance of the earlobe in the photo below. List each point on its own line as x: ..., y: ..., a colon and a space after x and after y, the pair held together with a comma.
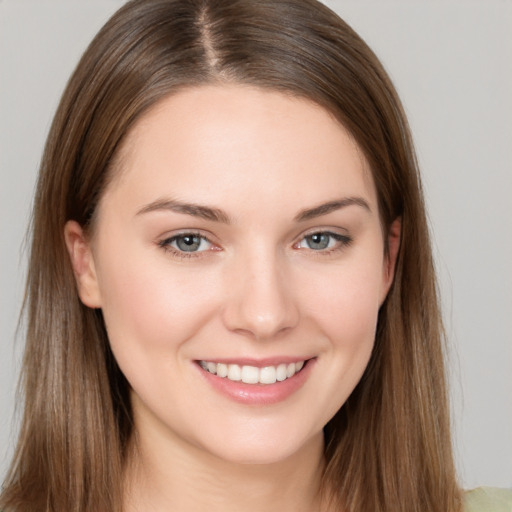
x: 393, y: 246
x: 82, y: 261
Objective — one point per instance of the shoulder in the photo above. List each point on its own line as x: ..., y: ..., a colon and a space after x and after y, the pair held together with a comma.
x: 488, y: 499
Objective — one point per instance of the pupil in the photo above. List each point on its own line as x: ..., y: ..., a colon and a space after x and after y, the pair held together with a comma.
x: 318, y: 241
x: 188, y: 243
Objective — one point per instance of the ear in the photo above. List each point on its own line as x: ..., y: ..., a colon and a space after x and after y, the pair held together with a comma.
x: 82, y: 261
x: 393, y: 245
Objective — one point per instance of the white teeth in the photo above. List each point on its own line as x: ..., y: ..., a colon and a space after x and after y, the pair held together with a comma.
x: 268, y: 375
x: 222, y: 370
x: 252, y: 374
x: 281, y: 373
x: 234, y: 372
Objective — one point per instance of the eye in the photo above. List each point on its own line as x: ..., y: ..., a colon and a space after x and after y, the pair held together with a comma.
x: 324, y: 241
x: 187, y: 243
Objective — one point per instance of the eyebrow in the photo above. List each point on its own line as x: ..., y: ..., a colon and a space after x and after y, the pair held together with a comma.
x: 204, y: 212
x: 218, y: 215
x: 331, y: 206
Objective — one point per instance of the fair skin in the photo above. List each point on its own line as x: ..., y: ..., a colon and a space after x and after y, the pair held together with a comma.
x: 241, y: 229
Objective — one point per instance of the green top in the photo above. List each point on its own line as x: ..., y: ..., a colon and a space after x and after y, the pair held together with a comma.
x: 488, y: 499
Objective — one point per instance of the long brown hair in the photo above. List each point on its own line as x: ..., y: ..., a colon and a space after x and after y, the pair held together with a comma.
x: 388, y: 449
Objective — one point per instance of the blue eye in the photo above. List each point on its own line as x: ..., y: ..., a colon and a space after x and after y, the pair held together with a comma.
x: 324, y: 240
x: 187, y: 243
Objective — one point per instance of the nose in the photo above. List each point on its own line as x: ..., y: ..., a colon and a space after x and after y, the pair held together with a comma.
x: 260, y: 301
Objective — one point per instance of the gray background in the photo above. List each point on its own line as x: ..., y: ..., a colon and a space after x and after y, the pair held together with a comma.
x: 452, y: 64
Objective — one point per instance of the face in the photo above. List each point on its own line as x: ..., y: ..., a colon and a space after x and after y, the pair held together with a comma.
x: 238, y: 259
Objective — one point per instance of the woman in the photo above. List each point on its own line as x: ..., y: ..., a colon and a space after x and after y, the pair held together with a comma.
x: 231, y: 300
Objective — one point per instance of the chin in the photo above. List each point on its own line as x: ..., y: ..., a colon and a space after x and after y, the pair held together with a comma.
x: 266, y: 449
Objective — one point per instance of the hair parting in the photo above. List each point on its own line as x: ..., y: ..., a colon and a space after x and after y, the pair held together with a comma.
x: 388, y: 449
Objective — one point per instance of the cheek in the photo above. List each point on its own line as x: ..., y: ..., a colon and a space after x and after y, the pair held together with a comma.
x: 344, y: 306
x: 344, y: 311
x: 346, y: 299
x: 149, y: 306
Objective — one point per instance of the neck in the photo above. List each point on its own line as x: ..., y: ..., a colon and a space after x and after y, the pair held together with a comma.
x: 163, y: 475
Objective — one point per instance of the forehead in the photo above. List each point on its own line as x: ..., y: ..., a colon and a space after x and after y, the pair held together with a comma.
x: 209, y: 140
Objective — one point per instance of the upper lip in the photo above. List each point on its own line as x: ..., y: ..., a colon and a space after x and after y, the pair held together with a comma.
x: 258, y: 363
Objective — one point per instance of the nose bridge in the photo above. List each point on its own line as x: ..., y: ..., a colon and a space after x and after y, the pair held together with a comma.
x: 262, y: 303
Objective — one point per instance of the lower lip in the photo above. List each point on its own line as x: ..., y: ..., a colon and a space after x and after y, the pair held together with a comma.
x: 258, y: 394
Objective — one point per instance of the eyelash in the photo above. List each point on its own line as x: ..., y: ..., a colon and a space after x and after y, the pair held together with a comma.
x: 165, y: 244
x: 342, y: 242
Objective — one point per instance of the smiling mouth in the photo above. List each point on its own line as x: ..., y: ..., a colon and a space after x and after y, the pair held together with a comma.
x: 252, y: 374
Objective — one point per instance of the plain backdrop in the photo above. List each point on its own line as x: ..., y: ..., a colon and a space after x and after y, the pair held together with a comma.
x: 451, y: 61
